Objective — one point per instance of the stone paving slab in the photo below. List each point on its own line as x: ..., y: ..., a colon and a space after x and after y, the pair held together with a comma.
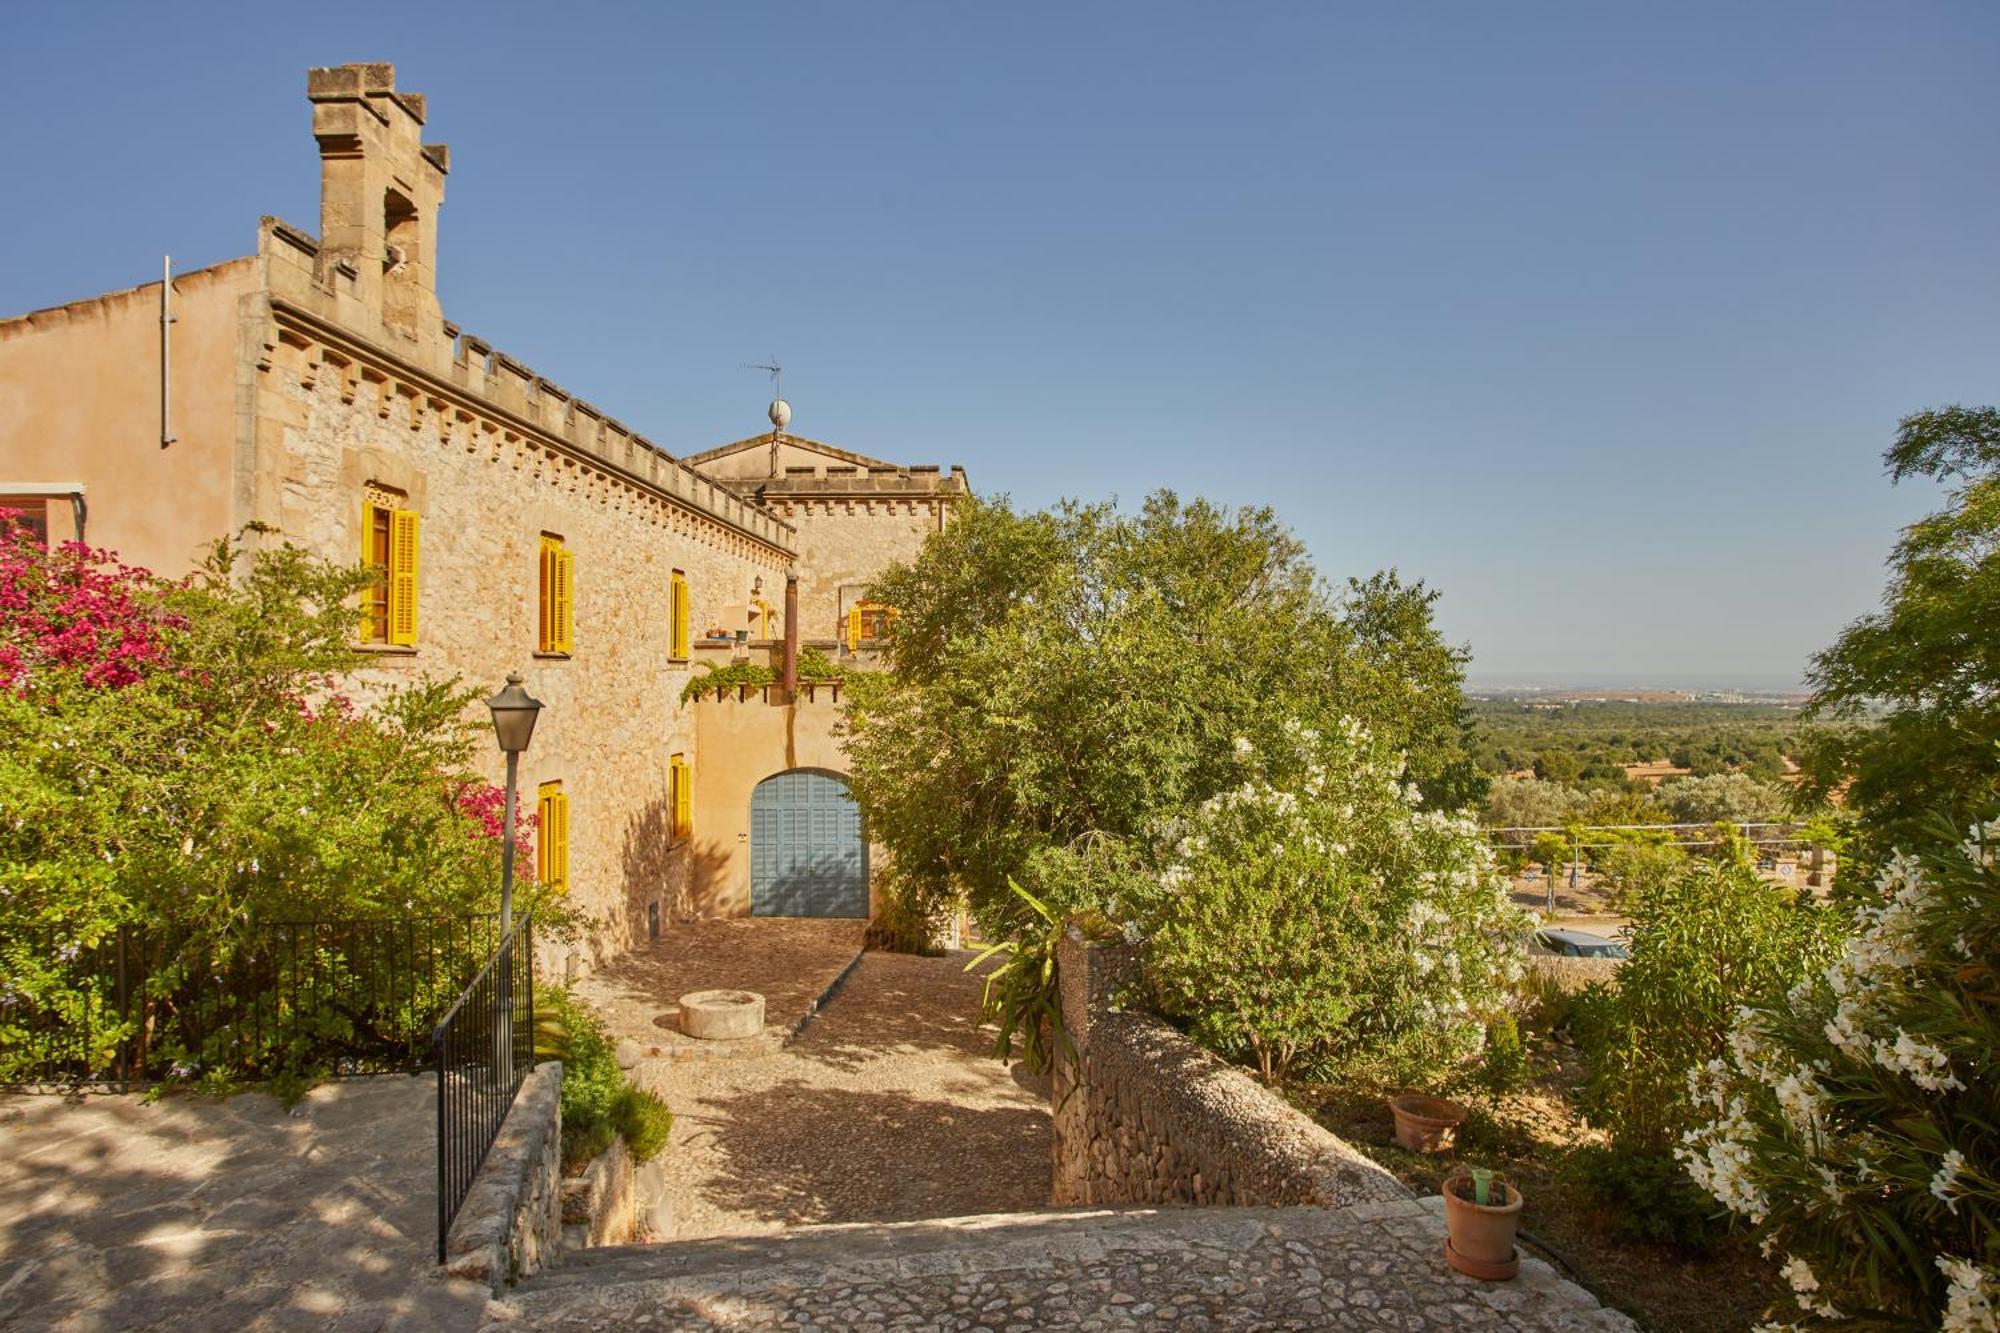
x: 1377, y: 1266
x: 232, y: 1215
x: 792, y: 963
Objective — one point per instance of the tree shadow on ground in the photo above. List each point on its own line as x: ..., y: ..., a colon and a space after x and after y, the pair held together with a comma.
x: 797, y: 1154
x: 236, y: 1215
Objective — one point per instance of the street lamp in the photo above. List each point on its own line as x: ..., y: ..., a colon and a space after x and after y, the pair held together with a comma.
x: 514, y: 714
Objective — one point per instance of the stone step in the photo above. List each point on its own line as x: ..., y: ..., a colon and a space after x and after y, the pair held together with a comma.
x: 1371, y: 1264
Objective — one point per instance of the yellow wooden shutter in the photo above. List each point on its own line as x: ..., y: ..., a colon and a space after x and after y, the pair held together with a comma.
x: 402, y: 577
x: 562, y: 847
x: 854, y: 628
x: 545, y: 600
x: 682, y: 797
x: 367, y: 532
x: 553, y: 826
x: 682, y: 613
x: 565, y: 602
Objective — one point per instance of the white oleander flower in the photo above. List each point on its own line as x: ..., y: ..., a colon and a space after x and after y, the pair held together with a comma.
x: 1944, y: 1183
x: 1969, y: 1301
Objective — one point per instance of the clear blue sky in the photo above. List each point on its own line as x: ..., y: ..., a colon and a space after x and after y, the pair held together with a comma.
x: 1597, y: 319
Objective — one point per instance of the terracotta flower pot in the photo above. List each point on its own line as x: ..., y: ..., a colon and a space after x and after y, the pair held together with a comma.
x: 1479, y: 1237
x: 1425, y: 1124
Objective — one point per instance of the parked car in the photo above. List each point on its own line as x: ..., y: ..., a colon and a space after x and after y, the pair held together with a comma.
x: 1580, y: 944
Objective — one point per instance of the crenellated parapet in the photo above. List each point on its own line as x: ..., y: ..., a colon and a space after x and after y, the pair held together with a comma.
x: 458, y: 386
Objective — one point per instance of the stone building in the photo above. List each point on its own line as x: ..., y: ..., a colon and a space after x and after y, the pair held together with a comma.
x: 316, y: 387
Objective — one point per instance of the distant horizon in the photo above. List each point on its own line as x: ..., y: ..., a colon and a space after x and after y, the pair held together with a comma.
x: 1736, y: 682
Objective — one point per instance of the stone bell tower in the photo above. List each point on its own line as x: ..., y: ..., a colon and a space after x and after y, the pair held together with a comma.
x: 380, y: 190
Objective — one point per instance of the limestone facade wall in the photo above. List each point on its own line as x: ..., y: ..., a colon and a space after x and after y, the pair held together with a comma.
x: 612, y: 716
x: 843, y: 544
x: 1144, y: 1116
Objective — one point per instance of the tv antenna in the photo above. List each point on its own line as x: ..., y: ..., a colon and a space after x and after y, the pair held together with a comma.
x: 781, y: 411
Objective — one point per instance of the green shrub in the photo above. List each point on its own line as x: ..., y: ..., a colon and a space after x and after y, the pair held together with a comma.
x: 1704, y: 943
x: 1853, y: 1120
x: 815, y: 665
x: 598, y: 1102
x: 1504, y: 1065
x: 909, y: 917
x: 727, y: 678
x: 643, y: 1120
x: 1651, y: 1197
x: 1313, y: 914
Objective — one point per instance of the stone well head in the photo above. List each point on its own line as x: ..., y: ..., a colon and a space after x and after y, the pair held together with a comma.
x: 722, y: 1015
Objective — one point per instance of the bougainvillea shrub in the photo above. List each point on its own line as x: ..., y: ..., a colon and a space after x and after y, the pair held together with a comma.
x: 180, y: 755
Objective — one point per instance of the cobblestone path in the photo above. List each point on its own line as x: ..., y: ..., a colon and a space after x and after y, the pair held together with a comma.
x: 888, y: 1107
x: 1373, y: 1266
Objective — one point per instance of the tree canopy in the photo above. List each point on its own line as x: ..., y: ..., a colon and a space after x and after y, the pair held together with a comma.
x: 1930, y: 657
x: 1060, y: 681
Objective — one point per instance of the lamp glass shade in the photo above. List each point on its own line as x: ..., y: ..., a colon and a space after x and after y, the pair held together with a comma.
x: 514, y: 712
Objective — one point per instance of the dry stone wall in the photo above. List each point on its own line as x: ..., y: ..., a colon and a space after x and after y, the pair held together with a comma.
x: 1144, y: 1116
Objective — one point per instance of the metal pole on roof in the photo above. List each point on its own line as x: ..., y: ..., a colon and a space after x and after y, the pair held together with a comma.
x: 166, y: 350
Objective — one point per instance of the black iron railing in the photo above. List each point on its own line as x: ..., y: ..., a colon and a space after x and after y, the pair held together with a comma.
x: 133, y: 1005
x: 482, y: 1049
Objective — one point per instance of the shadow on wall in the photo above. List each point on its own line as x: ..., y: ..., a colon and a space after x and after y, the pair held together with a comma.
x: 662, y: 874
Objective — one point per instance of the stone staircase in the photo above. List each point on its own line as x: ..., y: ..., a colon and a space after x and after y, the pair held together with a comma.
x: 1376, y: 1265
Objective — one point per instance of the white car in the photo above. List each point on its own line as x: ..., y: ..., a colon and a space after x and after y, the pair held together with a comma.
x: 1580, y: 944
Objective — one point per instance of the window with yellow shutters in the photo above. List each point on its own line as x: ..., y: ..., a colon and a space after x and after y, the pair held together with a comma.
x: 680, y: 797
x: 389, y: 546
x: 680, y: 634
x: 554, y: 632
x: 552, y: 833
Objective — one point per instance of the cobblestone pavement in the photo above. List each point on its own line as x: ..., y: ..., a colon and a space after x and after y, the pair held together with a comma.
x: 888, y: 1107
x: 1370, y: 1266
x: 235, y: 1215
x: 791, y: 963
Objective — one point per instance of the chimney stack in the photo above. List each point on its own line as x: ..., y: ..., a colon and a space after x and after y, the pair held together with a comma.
x: 380, y: 190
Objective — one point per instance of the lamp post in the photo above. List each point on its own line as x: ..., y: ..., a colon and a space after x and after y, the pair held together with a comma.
x: 514, y: 714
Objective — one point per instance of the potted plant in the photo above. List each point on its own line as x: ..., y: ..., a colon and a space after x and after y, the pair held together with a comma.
x: 1425, y: 1124
x: 1482, y: 1213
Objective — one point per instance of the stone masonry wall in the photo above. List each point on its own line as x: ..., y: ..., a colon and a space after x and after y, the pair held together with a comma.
x: 1144, y: 1116
x: 612, y: 715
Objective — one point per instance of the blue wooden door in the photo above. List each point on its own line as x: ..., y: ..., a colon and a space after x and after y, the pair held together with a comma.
x: 807, y: 855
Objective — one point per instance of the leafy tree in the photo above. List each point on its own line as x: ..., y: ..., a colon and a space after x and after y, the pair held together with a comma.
x: 1532, y: 803
x: 1063, y: 678
x: 1704, y: 943
x: 1930, y: 658
x: 1733, y: 798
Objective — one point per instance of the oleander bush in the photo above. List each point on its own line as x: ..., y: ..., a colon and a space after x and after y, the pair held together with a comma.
x: 1315, y: 916
x: 1854, y: 1120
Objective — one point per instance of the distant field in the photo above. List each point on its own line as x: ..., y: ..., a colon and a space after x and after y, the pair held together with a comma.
x: 1581, y: 737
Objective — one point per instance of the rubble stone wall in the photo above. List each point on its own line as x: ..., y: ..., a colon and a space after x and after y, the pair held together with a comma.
x: 1144, y: 1116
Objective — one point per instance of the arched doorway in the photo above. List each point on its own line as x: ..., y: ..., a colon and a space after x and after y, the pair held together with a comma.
x: 807, y: 854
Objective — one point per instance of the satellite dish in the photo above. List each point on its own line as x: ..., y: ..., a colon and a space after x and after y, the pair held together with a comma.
x: 781, y: 413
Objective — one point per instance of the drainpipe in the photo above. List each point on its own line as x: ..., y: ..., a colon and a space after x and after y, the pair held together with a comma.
x: 790, y: 680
